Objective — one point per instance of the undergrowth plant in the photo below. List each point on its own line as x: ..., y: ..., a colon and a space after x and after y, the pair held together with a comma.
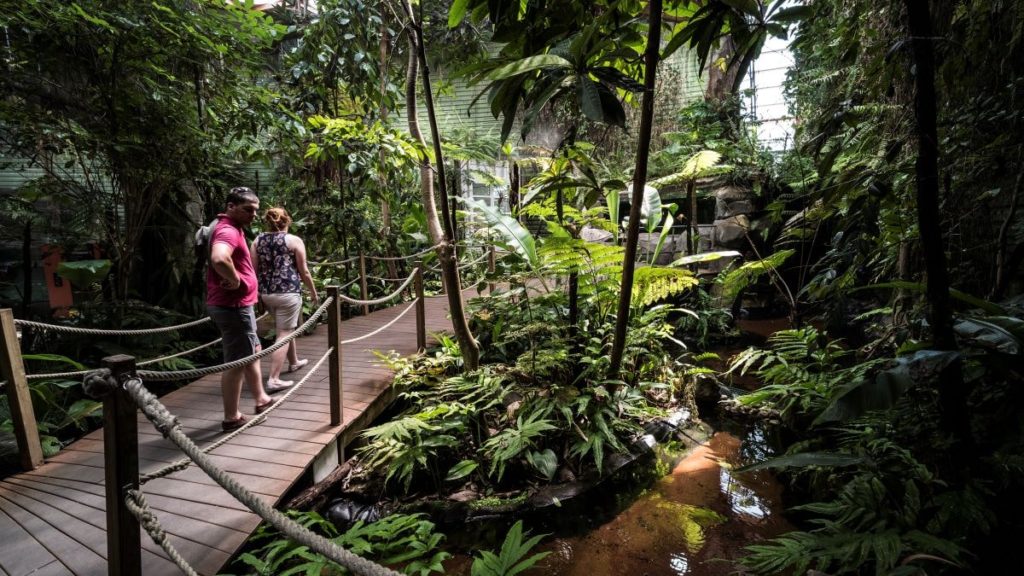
x: 407, y: 543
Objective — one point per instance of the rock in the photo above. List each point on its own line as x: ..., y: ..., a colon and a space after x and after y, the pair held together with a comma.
x: 464, y: 496
x: 731, y: 232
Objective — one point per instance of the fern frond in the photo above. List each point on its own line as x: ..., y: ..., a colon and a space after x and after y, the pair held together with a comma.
x: 653, y: 283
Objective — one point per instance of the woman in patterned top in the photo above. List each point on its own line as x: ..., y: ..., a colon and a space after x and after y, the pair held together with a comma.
x: 280, y: 262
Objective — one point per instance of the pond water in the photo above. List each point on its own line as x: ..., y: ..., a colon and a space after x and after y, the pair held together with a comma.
x: 694, y: 521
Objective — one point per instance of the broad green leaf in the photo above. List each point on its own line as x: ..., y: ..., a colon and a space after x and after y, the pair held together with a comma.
x: 528, y: 65
x: 546, y: 462
x: 611, y: 198
x: 511, y: 234
x: 84, y: 273
x: 457, y: 12
x: 461, y: 470
x: 705, y: 257
x: 804, y: 460
x: 55, y: 358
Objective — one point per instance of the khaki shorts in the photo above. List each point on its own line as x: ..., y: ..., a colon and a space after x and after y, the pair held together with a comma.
x: 285, y: 308
x: 238, y: 329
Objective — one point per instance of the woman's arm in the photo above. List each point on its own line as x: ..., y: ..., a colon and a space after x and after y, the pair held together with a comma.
x: 298, y: 248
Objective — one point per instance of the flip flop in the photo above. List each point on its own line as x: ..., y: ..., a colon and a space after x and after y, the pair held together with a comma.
x: 229, y: 425
x: 298, y: 365
x: 261, y: 408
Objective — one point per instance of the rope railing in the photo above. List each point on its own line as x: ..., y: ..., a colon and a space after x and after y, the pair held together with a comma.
x: 398, y: 258
x: 170, y: 428
x: 384, y: 327
x: 106, y: 332
x: 200, y: 372
x: 259, y: 418
x: 397, y: 292
x: 335, y: 262
x: 78, y: 373
x: 383, y: 279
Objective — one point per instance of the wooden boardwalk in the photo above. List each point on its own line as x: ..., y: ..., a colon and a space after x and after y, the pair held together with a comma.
x: 52, y: 520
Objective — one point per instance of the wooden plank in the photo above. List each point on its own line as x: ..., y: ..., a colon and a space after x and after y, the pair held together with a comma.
x: 20, y: 552
x: 85, y: 560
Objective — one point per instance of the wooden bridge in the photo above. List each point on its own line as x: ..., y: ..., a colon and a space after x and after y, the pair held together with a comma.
x: 53, y: 519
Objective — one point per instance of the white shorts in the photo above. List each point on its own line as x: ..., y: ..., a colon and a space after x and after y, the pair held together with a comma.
x: 285, y: 309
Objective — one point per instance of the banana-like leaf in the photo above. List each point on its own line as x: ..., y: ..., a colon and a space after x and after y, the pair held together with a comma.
x: 881, y: 392
x: 528, y: 65
x: 511, y: 235
x: 920, y: 288
x: 666, y: 227
x: 989, y: 335
x: 84, y: 273
x: 805, y: 459
x: 705, y: 257
x: 651, y: 205
x: 612, y: 199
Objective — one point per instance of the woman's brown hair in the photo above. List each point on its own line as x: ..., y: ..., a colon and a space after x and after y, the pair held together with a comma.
x: 277, y: 219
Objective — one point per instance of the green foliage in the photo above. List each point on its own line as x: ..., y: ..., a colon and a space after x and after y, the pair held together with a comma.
x: 735, y: 280
x: 511, y: 442
x: 512, y: 559
x: 406, y: 541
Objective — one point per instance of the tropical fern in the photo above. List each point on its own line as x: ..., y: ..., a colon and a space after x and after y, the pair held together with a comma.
x: 653, y: 283
x: 512, y: 559
x: 735, y: 280
x: 510, y: 443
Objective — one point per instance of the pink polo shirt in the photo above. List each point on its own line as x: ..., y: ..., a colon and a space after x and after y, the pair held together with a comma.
x: 227, y: 232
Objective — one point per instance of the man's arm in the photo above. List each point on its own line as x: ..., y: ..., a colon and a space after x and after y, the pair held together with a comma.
x: 220, y: 261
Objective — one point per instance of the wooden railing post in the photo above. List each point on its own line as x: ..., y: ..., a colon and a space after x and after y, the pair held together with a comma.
x: 421, y: 309
x: 334, y: 368
x: 121, y: 470
x: 19, y: 398
x: 362, y: 283
x: 490, y: 268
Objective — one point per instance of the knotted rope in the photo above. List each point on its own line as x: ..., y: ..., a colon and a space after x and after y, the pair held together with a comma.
x: 100, y: 332
x: 136, y: 503
x: 200, y: 372
x: 168, y: 425
x: 259, y: 418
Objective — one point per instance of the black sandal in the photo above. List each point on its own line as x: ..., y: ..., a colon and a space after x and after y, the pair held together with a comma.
x: 229, y: 425
x: 260, y: 409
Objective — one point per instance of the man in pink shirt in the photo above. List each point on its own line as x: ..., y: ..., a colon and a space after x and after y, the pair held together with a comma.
x: 231, y: 292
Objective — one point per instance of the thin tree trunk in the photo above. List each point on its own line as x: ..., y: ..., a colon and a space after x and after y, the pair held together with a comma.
x: 639, y: 180
x: 927, y: 174
x: 26, y: 268
x: 691, y: 225
x: 953, y: 391
x: 385, y: 201
x: 1002, y: 278
x: 442, y: 238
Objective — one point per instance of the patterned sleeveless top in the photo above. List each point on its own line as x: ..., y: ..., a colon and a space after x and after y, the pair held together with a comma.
x: 277, y: 272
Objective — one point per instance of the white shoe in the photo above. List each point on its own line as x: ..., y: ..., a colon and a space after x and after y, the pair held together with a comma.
x: 298, y: 365
x: 278, y: 385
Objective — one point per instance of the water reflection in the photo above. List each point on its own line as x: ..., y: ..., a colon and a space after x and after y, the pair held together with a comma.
x: 680, y: 563
x: 695, y: 521
x: 742, y: 500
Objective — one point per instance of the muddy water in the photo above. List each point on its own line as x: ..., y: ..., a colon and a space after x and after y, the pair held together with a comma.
x: 694, y: 521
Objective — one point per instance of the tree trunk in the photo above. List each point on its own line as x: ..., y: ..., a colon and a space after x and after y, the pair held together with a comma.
x: 26, y: 270
x: 953, y: 391
x: 691, y: 225
x: 639, y: 180
x: 927, y: 174
x: 385, y: 201
x: 442, y: 238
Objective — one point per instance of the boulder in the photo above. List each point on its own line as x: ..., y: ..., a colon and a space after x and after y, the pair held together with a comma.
x: 730, y: 233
